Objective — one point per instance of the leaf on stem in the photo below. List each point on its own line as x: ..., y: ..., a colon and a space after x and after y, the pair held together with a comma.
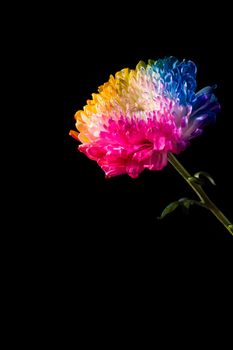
x: 206, y: 175
x: 183, y: 202
x: 169, y: 209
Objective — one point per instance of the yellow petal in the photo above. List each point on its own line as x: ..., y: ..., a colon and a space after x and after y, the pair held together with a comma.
x: 83, y: 138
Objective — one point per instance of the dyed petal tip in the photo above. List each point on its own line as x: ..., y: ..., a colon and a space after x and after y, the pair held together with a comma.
x: 140, y: 115
x: 74, y: 134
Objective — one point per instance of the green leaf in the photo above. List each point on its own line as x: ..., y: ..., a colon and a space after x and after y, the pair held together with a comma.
x: 205, y: 174
x: 169, y: 209
x: 186, y: 202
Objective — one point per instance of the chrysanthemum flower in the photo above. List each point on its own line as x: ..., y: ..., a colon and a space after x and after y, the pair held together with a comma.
x: 140, y: 115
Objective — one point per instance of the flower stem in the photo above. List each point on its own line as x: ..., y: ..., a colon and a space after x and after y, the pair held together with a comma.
x: 204, y: 199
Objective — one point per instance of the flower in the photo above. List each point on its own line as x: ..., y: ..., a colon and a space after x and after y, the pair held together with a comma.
x: 140, y: 115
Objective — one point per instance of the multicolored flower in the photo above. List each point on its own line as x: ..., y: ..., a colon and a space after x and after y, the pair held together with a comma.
x: 140, y: 115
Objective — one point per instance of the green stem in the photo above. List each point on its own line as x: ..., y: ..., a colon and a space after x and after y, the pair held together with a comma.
x: 207, y: 203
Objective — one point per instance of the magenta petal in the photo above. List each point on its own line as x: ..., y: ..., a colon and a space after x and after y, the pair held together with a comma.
x: 159, y: 143
x: 111, y: 171
x: 92, y: 151
x: 134, y: 169
x: 158, y: 160
x: 131, y: 145
x: 143, y: 154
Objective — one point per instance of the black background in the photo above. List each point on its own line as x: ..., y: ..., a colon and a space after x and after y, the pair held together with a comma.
x: 110, y: 232
x: 121, y: 211
x: 100, y: 251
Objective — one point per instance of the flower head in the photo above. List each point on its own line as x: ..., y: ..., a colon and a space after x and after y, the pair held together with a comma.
x: 140, y: 115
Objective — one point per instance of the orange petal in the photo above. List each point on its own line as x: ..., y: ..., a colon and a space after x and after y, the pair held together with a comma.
x: 74, y: 134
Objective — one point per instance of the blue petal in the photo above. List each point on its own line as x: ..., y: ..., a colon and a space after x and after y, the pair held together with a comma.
x: 206, y: 103
x: 178, y: 78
